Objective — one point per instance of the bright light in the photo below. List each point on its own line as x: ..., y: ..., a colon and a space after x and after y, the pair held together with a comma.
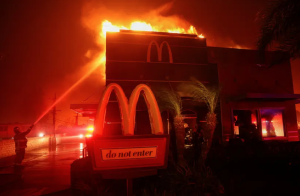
x: 201, y: 36
x: 41, y: 135
x: 264, y: 131
x: 141, y: 26
x: 90, y: 129
x: 88, y: 135
x: 80, y: 136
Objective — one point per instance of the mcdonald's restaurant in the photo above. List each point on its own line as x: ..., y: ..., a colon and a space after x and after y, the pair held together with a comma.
x: 255, y: 97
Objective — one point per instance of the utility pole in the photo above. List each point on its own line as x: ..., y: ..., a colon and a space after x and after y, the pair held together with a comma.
x: 53, y: 139
x: 54, y: 113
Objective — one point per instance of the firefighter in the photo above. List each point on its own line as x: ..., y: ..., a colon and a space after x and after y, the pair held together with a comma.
x: 20, y: 144
x: 197, y: 141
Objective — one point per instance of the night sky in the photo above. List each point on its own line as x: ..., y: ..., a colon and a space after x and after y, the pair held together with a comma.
x: 44, y: 45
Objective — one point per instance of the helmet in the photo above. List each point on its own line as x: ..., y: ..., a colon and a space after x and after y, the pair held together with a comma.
x: 17, y: 129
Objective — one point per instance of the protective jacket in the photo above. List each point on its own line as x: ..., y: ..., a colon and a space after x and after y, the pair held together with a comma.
x: 21, y: 140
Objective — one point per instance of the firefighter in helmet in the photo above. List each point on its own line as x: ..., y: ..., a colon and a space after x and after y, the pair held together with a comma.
x: 20, y: 144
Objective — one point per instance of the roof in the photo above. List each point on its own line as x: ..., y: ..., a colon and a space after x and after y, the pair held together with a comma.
x: 268, y: 97
x: 87, y: 110
x: 154, y: 33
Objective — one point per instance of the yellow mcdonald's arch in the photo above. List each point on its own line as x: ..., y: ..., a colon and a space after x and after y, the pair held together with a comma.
x: 159, y: 51
x: 128, y: 111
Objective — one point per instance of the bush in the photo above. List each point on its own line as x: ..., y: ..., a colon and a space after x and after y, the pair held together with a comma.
x: 186, y: 178
x: 181, y: 180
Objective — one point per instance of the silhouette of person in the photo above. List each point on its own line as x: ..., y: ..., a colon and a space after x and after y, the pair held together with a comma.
x: 20, y: 144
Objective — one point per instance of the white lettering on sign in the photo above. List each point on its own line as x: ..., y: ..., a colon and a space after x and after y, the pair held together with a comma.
x: 128, y: 153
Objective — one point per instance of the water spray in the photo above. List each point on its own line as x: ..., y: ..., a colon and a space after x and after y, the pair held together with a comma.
x: 102, y: 60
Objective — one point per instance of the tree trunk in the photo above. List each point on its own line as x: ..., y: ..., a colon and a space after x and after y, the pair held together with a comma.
x: 180, y: 136
x: 211, y: 123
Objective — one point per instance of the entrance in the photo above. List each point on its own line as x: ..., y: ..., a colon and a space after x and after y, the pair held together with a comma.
x: 190, y: 122
x: 245, y: 124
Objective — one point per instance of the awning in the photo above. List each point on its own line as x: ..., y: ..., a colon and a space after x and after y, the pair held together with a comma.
x: 87, y: 110
x: 266, y: 97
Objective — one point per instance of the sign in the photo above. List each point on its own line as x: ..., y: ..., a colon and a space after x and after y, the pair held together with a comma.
x: 159, y: 50
x: 125, y: 152
x: 128, y: 111
x: 128, y: 153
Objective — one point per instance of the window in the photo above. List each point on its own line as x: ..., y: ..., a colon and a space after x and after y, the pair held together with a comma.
x: 244, y: 122
x: 272, y: 122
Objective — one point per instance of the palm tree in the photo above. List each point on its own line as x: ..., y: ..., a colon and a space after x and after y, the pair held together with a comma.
x: 198, y: 91
x: 281, y: 26
x: 168, y: 100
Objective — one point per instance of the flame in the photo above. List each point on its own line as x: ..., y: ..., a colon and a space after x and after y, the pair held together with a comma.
x: 100, y: 20
x: 107, y: 26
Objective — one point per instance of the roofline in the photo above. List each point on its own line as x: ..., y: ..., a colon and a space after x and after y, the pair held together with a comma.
x: 155, y: 33
x: 268, y: 51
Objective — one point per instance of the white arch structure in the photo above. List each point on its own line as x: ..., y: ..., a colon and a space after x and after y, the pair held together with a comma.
x: 128, y: 111
x: 159, y: 50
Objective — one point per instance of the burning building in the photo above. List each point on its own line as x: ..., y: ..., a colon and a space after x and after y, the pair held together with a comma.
x: 254, y: 96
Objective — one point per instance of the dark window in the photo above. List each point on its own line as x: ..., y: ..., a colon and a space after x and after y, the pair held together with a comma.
x: 245, y: 123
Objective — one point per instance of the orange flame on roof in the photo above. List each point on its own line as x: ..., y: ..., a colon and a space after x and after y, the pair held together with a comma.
x: 143, y: 26
x: 101, y: 20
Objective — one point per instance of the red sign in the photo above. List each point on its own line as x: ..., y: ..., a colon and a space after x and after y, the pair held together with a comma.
x: 126, y: 152
x: 128, y: 156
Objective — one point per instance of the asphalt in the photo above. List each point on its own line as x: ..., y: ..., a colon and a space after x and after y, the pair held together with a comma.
x: 46, y: 172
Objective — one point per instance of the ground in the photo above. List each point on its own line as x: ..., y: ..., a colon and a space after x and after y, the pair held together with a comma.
x: 45, y: 172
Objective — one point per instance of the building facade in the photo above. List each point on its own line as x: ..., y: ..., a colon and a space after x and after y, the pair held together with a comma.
x: 254, y: 97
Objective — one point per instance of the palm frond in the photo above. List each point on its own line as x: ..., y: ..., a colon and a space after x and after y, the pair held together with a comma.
x: 169, y: 100
x: 280, y: 24
x: 198, y: 91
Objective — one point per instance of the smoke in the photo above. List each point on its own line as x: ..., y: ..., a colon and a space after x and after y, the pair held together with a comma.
x: 94, y: 14
x: 47, y: 50
x: 225, y: 43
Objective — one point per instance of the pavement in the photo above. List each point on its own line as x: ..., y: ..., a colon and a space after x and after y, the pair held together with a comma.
x: 45, y: 171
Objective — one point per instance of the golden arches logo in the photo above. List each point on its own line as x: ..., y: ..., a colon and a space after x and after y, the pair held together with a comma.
x: 159, y: 50
x: 128, y: 111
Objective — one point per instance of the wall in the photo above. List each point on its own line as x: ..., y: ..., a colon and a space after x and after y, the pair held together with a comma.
x: 240, y: 74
